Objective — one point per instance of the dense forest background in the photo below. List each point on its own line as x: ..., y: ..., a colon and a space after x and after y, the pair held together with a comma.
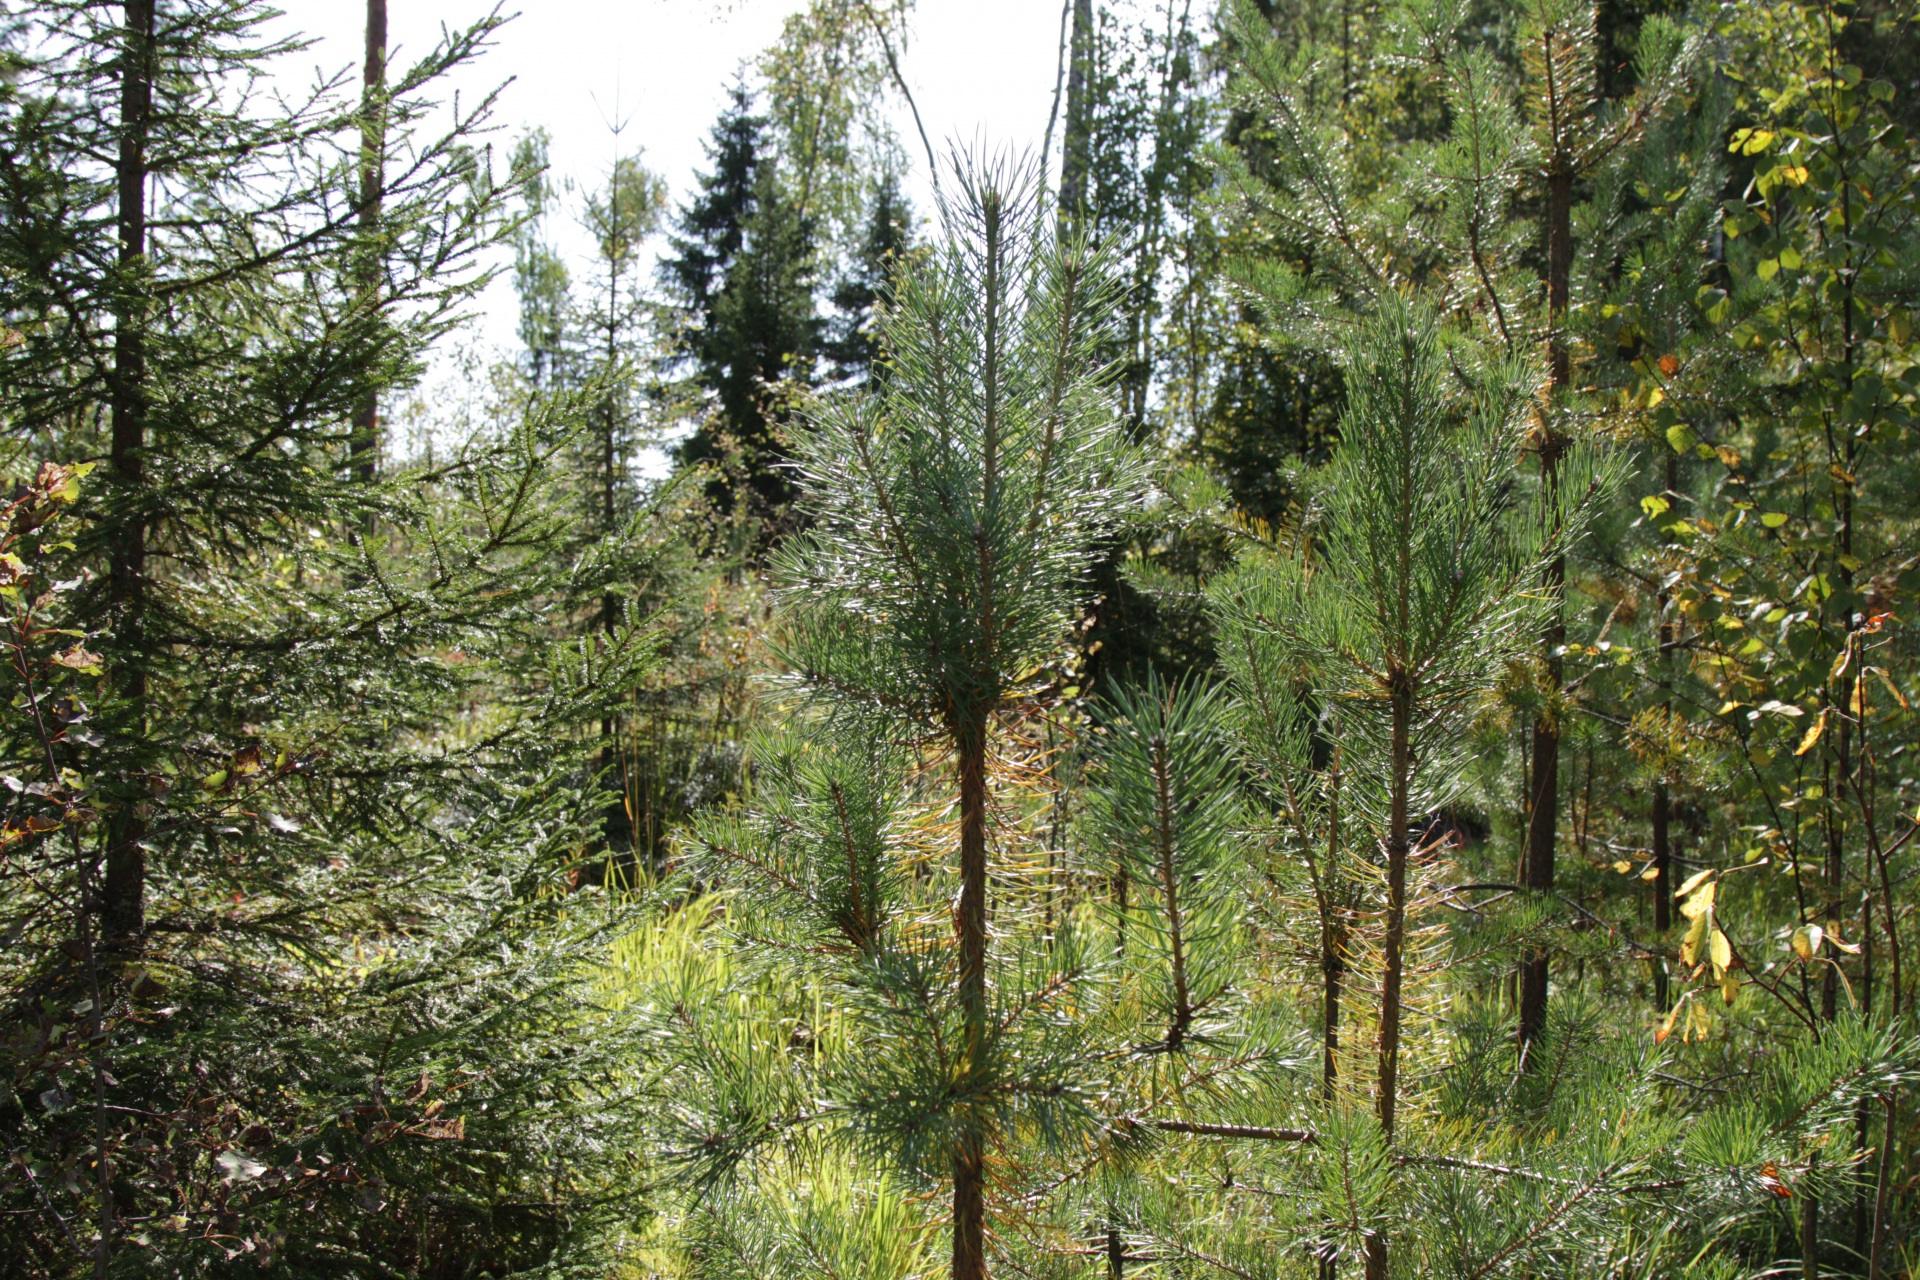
x: 1314, y: 681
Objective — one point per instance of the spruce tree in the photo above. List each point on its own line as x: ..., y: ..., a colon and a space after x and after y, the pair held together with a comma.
x: 301, y: 803
x: 853, y: 343
x: 742, y: 270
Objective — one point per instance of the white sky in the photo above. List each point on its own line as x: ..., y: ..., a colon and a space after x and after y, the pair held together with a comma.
x: 982, y: 72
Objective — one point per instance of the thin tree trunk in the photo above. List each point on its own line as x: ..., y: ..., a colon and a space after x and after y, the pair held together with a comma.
x: 1170, y: 885
x: 1876, y: 1260
x: 373, y: 148
x: 1116, y: 1254
x: 1333, y: 960
x: 969, y: 1163
x: 1076, y: 147
x: 125, y: 883
x: 617, y: 826
x: 1393, y: 959
x: 1662, y: 802
x: 1544, y: 807
x: 1810, y: 1228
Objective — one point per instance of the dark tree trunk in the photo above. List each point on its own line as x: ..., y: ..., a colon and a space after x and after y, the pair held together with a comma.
x: 1393, y: 957
x: 1810, y: 1228
x: 1662, y: 801
x: 1333, y: 949
x: 970, y: 925
x: 125, y: 883
x: 1543, y: 811
x: 617, y: 826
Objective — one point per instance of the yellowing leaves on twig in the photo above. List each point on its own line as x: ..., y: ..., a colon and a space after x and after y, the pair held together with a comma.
x: 1690, y: 945
x: 1812, y: 735
x: 1700, y: 901
x: 1720, y: 951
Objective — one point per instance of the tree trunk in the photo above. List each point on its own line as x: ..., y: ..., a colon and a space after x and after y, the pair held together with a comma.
x: 1333, y: 955
x: 1076, y: 147
x: 617, y: 828
x: 1544, y: 803
x: 373, y: 148
x: 970, y: 925
x: 1333, y: 972
x: 1393, y: 960
x: 1876, y: 1259
x: 1662, y: 802
x: 125, y: 883
x: 1810, y: 1228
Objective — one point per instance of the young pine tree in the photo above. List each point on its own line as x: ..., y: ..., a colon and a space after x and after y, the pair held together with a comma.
x: 952, y: 512
x: 1408, y: 586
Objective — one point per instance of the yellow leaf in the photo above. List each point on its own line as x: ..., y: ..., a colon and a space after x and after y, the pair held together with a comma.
x: 1654, y: 505
x: 1729, y: 989
x: 1651, y: 874
x: 1690, y: 945
x: 1814, y: 730
x: 1795, y: 174
x: 1729, y: 457
x: 1773, y: 519
x: 1840, y: 660
x: 1623, y: 867
x: 1720, y: 951
x: 1666, y: 1027
x: 1806, y: 941
x: 215, y: 780
x: 1693, y: 881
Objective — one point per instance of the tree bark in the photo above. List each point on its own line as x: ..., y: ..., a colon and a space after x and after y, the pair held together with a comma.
x: 1662, y: 801
x: 365, y: 446
x: 1876, y: 1259
x: 1544, y: 803
x: 1393, y: 959
x: 970, y: 925
x: 125, y: 882
x: 1810, y: 1228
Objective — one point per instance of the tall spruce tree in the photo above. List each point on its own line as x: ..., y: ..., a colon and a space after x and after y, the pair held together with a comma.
x: 293, y: 819
x: 742, y: 269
